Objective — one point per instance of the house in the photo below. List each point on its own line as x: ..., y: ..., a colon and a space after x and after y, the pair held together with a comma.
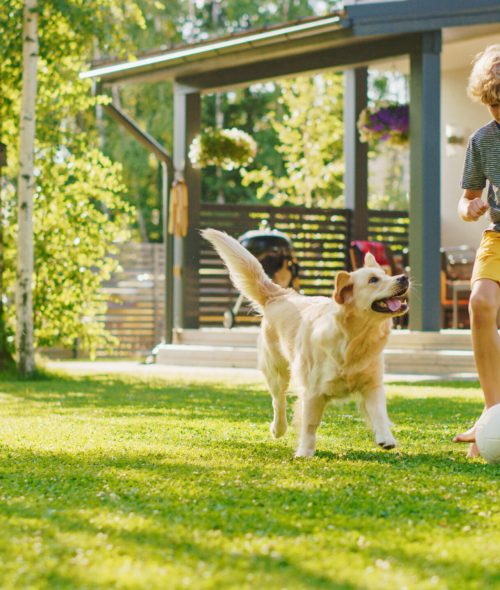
x: 433, y: 40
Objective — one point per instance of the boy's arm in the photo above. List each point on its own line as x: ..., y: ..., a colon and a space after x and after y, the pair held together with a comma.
x: 471, y: 206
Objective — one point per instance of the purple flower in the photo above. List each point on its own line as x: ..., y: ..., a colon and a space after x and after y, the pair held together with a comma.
x: 389, y: 122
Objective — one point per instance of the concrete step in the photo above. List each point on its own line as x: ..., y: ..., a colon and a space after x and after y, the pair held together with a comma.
x: 443, y: 340
x: 439, y: 362
x: 397, y: 360
x: 207, y: 356
x: 399, y: 339
x: 219, y: 337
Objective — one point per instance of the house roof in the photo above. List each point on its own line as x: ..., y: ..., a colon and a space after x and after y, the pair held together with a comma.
x: 358, y: 34
x: 238, y: 47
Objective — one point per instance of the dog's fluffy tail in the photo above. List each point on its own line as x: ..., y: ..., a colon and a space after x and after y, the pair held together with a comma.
x: 245, y: 270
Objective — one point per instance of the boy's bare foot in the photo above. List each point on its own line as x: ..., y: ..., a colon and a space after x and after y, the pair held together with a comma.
x: 473, y: 451
x: 467, y: 436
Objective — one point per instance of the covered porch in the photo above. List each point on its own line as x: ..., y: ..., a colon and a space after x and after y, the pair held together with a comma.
x: 351, y: 40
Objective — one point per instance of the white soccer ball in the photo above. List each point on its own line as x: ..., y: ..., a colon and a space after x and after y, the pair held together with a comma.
x: 488, y: 434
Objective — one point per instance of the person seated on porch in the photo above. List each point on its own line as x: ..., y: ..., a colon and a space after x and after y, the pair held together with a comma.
x: 482, y: 163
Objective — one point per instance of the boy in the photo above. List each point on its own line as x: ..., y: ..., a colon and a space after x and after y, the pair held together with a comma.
x: 482, y: 163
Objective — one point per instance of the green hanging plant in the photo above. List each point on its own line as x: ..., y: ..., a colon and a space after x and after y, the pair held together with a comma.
x: 226, y: 148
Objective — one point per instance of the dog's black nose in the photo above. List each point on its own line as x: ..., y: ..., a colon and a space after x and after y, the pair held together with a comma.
x: 403, y: 280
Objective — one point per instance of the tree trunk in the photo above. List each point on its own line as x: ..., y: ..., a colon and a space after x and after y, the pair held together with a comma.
x: 26, y: 182
x: 6, y: 359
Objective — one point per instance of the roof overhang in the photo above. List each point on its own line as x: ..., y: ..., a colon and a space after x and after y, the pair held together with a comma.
x: 360, y: 34
x: 214, y: 54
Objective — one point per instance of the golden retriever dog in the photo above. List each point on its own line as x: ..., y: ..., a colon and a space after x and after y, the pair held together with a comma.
x: 329, y: 348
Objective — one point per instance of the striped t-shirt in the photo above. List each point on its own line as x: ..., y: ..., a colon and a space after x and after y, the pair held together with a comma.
x: 482, y: 163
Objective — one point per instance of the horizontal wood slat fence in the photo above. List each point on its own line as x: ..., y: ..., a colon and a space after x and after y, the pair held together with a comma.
x: 136, y: 300
x: 391, y: 227
x: 321, y: 238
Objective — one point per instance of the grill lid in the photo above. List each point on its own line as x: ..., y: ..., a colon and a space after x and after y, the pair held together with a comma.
x: 265, y: 242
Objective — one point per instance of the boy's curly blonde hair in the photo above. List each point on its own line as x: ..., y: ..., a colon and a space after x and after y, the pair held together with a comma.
x: 484, y: 81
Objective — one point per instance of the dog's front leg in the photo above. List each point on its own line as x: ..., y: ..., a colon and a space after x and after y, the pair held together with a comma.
x: 311, y: 412
x: 375, y: 406
x: 279, y: 425
x: 278, y: 384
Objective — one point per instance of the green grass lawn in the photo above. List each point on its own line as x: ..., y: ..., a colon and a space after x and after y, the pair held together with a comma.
x: 109, y: 482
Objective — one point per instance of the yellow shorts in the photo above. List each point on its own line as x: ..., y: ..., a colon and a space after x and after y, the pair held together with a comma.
x: 487, y: 263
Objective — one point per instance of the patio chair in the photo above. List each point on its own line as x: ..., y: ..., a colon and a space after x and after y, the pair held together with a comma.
x: 456, y: 271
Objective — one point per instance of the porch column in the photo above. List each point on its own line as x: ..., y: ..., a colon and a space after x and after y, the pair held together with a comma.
x: 187, y: 116
x: 355, y: 152
x: 425, y: 183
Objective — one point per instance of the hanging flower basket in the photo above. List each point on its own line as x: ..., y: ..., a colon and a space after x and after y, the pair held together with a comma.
x: 386, y: 122
x: 227, y: 148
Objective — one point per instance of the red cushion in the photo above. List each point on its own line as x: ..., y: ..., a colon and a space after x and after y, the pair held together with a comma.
x: 376, y: 248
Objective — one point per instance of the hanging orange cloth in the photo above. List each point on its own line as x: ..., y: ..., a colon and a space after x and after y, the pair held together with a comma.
x: 178, y: 212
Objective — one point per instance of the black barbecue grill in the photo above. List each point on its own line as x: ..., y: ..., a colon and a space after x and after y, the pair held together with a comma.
x: 274, y: 250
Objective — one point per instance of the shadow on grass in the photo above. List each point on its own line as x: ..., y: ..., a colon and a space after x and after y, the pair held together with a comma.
x: 180, y: 506
x: 241, y: 402
x: 238, y: 487
x: 120, y: 396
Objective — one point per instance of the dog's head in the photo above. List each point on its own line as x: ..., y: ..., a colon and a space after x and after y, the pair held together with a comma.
x: 370, y: 289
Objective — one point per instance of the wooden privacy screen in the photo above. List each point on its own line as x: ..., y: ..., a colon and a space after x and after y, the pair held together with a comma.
x: 136, y: 292
x: 320, y: 239
x: 391, y: 227
x: 136, y: 300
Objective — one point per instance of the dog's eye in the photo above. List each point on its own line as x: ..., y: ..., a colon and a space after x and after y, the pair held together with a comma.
x: 374, y: 280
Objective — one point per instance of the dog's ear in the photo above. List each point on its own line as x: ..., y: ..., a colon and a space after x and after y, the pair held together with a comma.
x: 343, y: 287
x: 370, y: 261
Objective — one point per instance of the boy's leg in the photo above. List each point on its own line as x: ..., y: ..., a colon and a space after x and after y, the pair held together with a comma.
x: 484, y: 306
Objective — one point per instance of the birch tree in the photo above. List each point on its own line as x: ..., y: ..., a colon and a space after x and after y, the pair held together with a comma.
x: 26, y: 181
x: 79, y: 210
x: 5, y: 356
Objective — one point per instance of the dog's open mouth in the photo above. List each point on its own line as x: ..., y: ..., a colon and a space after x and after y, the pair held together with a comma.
x: 397, y: 304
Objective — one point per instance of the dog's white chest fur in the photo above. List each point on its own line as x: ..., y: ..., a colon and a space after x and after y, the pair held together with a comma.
x: 327, y: 364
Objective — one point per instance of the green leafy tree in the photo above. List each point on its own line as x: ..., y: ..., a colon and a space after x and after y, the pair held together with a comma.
x: 309, y: 128
x: 78, y: 210
x: 150, y: 106
x: 176, y: 22
x: 246, y: 108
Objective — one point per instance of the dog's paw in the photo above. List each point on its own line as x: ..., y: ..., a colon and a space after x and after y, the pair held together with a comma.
x: 304, y: 452
x: 278, y: 429
x: 387, y: 443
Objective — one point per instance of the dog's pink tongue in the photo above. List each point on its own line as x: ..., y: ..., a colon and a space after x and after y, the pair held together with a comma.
x: 393, y: 304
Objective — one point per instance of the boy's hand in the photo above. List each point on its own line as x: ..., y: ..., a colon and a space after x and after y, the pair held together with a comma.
x: 474, y: 209
x: 471, y: 206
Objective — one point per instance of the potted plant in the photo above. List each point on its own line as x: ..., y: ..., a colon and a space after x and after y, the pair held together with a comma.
x: 387, y: 122
x: 226, y: 148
